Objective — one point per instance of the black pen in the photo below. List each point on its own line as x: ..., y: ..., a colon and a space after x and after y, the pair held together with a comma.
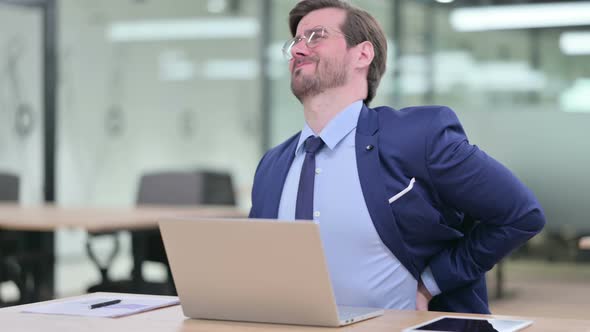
x: 104, y: 304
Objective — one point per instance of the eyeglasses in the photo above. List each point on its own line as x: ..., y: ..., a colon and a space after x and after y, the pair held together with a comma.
x: 312, y: 38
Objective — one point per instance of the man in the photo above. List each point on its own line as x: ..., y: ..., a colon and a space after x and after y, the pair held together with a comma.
x: 389, y: 188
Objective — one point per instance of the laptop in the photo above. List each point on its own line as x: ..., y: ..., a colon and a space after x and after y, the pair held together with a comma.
x: 254, y: 270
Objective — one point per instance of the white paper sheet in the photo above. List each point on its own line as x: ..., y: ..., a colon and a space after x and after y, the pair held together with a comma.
x: 129, y: 305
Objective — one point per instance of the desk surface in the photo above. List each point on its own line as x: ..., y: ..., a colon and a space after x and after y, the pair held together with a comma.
x: 95, y: 219
x: 172, y: 319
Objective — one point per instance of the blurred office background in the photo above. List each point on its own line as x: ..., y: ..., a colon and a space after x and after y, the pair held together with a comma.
x: 139, y: 86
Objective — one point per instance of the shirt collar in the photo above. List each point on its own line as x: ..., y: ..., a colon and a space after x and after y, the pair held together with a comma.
x: 342, y: 124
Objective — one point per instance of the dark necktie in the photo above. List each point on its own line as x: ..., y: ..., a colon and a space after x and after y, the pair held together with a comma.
x: 304, y: 207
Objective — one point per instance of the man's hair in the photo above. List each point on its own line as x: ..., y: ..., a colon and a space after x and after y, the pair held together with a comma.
x: 359, y: 26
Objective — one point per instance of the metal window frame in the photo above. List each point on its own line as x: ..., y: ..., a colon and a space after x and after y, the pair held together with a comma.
x: 49, y: 33
x: 44, y: 286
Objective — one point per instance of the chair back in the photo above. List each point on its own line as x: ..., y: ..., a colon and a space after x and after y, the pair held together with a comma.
x: 177, y: 188
x: 186, y: 188
x: 9, y: 187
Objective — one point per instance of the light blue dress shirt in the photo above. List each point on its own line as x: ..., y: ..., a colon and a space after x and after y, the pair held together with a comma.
x: 364, y: 272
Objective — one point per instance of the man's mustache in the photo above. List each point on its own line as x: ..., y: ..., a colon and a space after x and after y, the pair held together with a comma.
x: 303, y: 60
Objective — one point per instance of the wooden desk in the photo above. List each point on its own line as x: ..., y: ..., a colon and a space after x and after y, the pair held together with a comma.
x: 45, y: 219
x: 94, y: 219
x: 172, y: 319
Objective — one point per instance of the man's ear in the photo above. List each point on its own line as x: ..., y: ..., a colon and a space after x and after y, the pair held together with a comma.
x: 365, y: 54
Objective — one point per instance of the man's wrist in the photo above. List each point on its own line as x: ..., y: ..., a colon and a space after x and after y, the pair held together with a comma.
x: 429, y: 283
x: 422, y: 289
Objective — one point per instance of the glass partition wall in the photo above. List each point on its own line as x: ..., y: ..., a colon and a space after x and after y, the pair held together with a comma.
x: 22, y: 120
x: 21, y: 98
x: 151, y: 86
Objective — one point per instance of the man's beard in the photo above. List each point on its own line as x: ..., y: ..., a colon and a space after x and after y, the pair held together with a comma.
x: 329, y: 73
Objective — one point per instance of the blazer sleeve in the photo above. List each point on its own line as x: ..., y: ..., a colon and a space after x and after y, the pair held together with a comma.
x: 467, y: 179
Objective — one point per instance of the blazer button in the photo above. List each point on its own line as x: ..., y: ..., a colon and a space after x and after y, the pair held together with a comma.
x: 369, y: 147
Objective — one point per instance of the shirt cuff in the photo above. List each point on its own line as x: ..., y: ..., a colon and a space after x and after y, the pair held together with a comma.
x: 429, y: 282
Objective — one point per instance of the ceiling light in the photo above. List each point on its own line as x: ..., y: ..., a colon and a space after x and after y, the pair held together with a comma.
x: 521, y: 16
x: 198, y: 28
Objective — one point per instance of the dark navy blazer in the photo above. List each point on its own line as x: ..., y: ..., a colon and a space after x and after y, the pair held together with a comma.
x: 425, y: 227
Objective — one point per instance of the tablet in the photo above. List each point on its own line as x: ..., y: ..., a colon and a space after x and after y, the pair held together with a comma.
x: 460, y: 324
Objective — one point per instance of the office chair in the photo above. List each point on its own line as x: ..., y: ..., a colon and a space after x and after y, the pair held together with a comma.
x: 175, y: 188
x: 11, y: 251
x: 163, y: 188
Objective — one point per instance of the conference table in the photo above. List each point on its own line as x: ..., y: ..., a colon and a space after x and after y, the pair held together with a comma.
x: 172, y: 319
x: 41, y: 221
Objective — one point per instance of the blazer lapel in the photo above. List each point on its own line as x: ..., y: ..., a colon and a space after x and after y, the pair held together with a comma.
x: 372, y: 184
x: 277, y: 177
